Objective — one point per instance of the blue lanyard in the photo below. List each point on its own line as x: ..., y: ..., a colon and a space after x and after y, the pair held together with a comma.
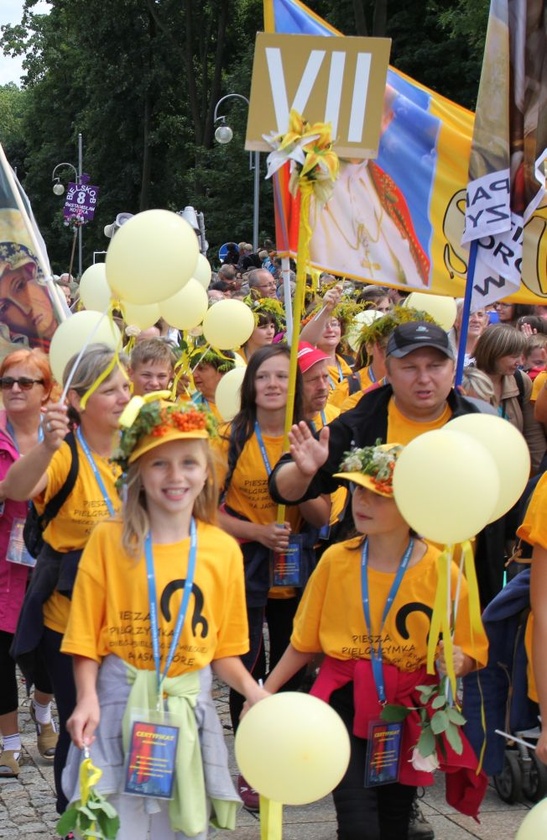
x: 263, y: 452
x: 323, y: 420
x: 332, y: 383
x: 198, y: 399
x: 11, y: 432
x: 152, y: 597
x: 376, y: 653
x: 87, y: 452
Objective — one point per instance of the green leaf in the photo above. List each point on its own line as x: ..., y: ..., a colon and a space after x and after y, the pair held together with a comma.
x: 394, y: 714
x: 439, y: 722
x: 67, y: 822
x: 427, y: 690
x: 438, y: 702
x: 426, y: 742
x: 455, y: 716
x: 454, y: 738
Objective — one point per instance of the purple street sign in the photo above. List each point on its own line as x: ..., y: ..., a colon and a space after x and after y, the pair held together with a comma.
x: 81, y: 200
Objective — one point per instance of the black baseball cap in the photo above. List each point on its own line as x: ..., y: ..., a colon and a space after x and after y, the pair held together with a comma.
x: 416, y: 334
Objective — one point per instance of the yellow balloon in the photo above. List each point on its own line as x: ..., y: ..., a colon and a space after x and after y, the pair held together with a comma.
x: 446, y: 485
x: 151, y: 257
x: 139, y: 315
x: 534, y: 824
x: 228, y: 324
x: 292, y: 748
x: 95, y: 292
x: 77, y: 331
x: 228, y: 393
x: 440, y: 307
x: 202, y: 272
x: 509, y: 450
x: 186, y: 309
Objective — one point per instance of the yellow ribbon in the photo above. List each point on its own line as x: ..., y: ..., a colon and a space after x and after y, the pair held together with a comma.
x: 89, y: 776
x: 441, y: 619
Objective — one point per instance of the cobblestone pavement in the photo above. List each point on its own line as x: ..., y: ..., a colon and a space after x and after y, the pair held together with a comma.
x: 27, y: 804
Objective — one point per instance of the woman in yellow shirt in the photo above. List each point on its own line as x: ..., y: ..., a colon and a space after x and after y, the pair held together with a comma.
x: 39, y: 475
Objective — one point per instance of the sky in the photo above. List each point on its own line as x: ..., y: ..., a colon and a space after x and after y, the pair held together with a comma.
x: 11, y: 11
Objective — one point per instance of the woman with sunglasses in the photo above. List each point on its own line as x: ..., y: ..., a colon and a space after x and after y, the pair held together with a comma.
x: 25, y: 383
x: 98, y: 393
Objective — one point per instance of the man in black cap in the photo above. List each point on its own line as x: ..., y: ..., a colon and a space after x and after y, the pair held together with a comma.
x: 419, y: 398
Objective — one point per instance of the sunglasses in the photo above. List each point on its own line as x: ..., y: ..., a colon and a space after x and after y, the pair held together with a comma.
x: 24, y: 382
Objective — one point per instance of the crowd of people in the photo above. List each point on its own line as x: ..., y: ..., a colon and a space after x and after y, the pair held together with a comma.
x: 178, y: 545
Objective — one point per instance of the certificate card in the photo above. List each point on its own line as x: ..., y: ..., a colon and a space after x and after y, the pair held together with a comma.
x: 383, y: 753
x: 151, y: 760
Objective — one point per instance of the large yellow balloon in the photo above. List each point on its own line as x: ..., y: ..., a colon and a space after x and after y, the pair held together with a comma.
x: 95, y: 292
x: 292, y: 748
x: 228, y: 393
x: 186, y: 309
x: 534, y: 824
x: 446, y: 485
x: 151, y: 257
x: 72, y: 335
x: 442, y: 308
x: 202, y: 272
x: 509, y: 450
x: 228, y: 324
x: 140, y: 316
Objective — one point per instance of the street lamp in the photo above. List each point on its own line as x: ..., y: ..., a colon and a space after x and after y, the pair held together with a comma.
x: 223, y: 135
x: 58, y: 189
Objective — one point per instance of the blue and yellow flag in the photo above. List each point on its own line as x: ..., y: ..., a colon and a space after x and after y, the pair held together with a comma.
x: 398, y: 220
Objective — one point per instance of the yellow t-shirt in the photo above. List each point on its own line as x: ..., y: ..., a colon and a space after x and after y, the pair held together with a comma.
x: 248, y: 491
x: 538, y: 384
x: 534, y: 531
x: 402, y: 430
x: 110, y: 606
x: 338, y: 371
x: 341, y: 396
x: 84, y: 508
x: 330, y: 615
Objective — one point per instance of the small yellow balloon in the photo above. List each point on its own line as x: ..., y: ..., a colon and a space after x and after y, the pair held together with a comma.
x: 442, y: 308
x: 446, y: 485
x: 202, y: 272
x: 534, y: 824
x: 509, y: 450
x: 151, y: 257
x: 139, y: 315
x: 228, y: 393
x: 292, y: 748
x: 228, y: 324
x: 95, y: 292
x: 186, y: 309
x: 77, y: 331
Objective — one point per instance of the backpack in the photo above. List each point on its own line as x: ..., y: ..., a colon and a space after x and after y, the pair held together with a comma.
x: 35, y: 523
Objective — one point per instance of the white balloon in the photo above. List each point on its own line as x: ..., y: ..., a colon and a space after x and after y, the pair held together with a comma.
x: 95, y: 292
x: 72, y: 335
x: 228, y: 393
x: 140, y: 315
x: 186, y: 309
x: 202, y: 272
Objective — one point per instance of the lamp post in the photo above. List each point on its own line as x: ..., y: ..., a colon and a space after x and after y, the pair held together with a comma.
x: 58, y: 189
x: 223, y: 135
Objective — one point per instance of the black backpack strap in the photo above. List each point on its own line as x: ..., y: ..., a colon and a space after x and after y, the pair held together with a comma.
x: 354, y: 383
x: 57, y: 501
x: 520, y: 382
